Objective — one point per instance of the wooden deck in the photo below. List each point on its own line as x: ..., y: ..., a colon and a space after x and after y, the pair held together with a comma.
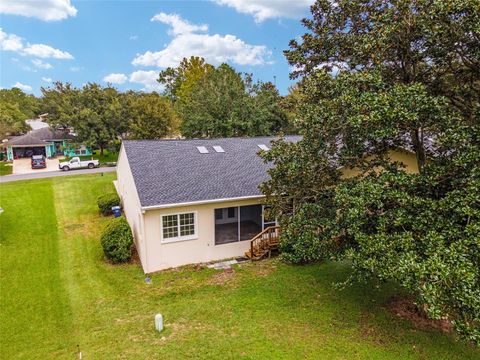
x: 262, y: 244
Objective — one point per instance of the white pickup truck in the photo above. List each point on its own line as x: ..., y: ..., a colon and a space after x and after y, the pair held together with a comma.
x: 76, y: 163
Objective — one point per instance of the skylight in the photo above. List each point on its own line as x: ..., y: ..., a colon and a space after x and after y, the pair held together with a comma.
x: 263, y: 147
x: 218, y: 149
x: 202, y: 149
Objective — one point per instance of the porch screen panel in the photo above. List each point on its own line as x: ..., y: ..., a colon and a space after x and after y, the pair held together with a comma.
x: 250, y: 221
x: 226, y: 225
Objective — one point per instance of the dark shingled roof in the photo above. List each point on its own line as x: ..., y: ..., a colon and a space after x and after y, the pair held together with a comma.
x: 174, y: 171
x: 39, y: 137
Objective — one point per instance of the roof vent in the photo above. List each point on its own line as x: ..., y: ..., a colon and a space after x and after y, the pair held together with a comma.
x: 218, y: 149
x: 202, y: 149
x: 263, y: 147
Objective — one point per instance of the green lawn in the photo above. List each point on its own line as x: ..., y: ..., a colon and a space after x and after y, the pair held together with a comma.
x: 5, y: 168
x: 57, y: 293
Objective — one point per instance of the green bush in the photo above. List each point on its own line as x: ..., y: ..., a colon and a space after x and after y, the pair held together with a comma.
x: 105, y: 202
x: 117, y: 240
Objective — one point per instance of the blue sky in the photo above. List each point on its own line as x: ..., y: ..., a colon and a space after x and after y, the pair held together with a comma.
x: 127, y: 43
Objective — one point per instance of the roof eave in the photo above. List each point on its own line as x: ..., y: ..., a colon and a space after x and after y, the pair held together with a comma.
x: 200, y: 202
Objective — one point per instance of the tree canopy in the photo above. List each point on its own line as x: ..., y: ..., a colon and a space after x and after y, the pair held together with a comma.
x: 179, y: 81
x: 16, y: 107
x: 150, y: 116
x: 379, y: 75
x: 95, y: 112
x: 223, y: 103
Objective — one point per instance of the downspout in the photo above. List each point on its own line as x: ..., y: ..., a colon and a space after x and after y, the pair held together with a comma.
x: 145, y: 240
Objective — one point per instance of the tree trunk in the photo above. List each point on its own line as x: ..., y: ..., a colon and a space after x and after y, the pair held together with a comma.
x: 417, y: 143
x: 101, y: 150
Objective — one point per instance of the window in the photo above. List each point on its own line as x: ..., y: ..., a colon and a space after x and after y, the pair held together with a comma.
x: 263, y: 147
x: 218, y: 214
x: 187, y: 224
x: 170, y: 226
x: 231, y: 212
x: 178, y: 227
x: 218, y: 149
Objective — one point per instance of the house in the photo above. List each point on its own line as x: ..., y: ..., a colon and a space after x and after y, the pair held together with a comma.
x: 42, y: 141
x: 82, y: 150
x: 193, y: 201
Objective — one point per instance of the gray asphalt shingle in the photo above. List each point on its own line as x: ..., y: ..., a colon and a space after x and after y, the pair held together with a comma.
x: 174, y: 171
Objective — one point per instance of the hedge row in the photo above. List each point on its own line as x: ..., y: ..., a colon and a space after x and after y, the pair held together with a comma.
x: 106, y: 201
x: 117, y: 240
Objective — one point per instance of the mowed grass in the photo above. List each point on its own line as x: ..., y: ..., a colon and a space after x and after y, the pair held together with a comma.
x: 57, y: 292
x: 6, y: 168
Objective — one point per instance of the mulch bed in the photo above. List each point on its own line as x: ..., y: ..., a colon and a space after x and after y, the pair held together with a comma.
x: 405, y: 308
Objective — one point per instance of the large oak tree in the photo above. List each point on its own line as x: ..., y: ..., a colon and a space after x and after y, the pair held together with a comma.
x: 379, y: 75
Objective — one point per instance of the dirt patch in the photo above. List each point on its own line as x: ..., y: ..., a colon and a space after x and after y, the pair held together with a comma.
x: 135, y: 257
x: 405, y: 308
x: 73, y: 227
x: 222, y: 277
x: 83, y: 225
x: 263, y: 268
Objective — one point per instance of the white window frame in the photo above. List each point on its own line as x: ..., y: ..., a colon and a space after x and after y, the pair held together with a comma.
x: 194, y: 236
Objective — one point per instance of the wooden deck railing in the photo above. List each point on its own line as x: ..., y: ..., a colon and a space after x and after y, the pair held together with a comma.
x: 264, y: 242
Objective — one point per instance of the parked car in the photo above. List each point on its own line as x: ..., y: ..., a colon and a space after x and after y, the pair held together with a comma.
x: 39, y: 162
x: 76, y: 163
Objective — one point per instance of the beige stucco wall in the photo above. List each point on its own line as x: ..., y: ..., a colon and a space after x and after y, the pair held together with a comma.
x: 131, y: 204
x: 406, y: 157
x: 156, y: 255
x: 202, y: 249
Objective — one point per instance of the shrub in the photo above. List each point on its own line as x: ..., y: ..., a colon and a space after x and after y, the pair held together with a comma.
x: 106, y: 201
x: 117, y: 240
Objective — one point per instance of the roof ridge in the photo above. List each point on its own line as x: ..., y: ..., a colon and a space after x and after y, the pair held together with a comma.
x: 212, y: 139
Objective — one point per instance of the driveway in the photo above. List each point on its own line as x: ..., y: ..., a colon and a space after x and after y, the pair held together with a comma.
x: 48, y: 174
x: 23, y: 166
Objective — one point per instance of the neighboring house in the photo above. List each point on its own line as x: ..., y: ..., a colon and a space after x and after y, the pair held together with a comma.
x: 79, y: 151
x: 43, y: 141
x: 193, y: 201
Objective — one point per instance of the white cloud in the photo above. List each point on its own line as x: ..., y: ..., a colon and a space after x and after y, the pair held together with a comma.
x: 133, y: 37
x: 46, y: 79
x: 148, y: 79
x: 74, y: 68
x: 179, y: 25
x: 266, y: 9
x: 115, y: 78
x: 215, y: 49
x: 12, y: 42
x: 41, y: 65
x: 23, y: 87
x: 46, y: 51
x: 47, y: 10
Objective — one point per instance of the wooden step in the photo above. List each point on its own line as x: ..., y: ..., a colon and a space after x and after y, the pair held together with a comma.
x: 257, y: 255
x: 263, y: 243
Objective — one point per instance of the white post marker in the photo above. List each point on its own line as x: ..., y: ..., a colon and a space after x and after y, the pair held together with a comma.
x: 159, y: 322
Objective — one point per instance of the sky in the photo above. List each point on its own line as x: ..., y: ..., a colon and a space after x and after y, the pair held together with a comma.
x: 127, y: 43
